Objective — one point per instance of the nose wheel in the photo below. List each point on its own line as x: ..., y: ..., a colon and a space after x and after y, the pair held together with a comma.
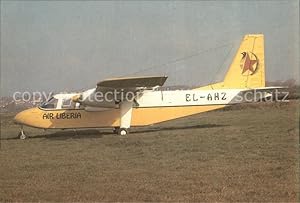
x: 22, y: 135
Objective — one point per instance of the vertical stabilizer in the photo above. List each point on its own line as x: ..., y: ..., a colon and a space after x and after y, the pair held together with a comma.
x: 247, y: 69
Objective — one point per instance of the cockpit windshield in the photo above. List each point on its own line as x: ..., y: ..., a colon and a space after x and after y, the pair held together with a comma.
x: 50, y: 104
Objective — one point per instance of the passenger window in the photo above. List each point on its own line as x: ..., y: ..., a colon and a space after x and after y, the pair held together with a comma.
x: 69, y: 104
x: 66, y: 104
x: 78, y: 106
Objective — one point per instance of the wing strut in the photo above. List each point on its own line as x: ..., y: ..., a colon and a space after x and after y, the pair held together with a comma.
x: 125, y: 117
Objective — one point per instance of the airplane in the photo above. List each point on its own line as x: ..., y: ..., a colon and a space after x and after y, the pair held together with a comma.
x: 148, y: 105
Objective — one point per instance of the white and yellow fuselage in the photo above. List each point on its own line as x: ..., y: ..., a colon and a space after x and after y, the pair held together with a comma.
x: 247, y: 72
x: 152, y: 107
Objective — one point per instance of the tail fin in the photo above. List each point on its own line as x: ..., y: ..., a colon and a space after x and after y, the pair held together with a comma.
x: 247, y: 69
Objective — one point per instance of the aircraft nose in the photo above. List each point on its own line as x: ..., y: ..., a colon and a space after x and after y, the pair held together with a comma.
x: 30, y: 117
x: 19, y: 118
x: 24, y: 117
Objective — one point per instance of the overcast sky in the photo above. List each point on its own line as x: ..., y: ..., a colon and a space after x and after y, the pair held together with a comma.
x: 71, y: 45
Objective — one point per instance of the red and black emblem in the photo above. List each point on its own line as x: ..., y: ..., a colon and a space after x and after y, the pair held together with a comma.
x: 249, y: 63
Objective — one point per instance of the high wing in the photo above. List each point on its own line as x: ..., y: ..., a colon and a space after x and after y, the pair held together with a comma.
x: 133, y: 85
x: 130, y: 84
x: 133, y: 82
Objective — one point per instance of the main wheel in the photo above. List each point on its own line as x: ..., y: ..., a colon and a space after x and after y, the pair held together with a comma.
x: 123, y: 131
x: 116, y: 130
x: 22, y: 135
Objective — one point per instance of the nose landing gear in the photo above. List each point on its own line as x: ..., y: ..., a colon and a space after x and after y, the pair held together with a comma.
x: 22, y: 135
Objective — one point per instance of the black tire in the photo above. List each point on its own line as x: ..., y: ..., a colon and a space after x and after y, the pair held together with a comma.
x: 116, y: 130
x: 22, y: 136
x: 123, y: 131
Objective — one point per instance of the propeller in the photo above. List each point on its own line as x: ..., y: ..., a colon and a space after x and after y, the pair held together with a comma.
x: 77, y: 98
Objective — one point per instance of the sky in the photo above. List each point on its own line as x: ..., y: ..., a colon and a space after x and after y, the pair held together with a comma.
x: 71, y: 45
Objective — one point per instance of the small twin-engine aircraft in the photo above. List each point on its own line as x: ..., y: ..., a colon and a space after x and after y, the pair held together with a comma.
x: 147, y: 105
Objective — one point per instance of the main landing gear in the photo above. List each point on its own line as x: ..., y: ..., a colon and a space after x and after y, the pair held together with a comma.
x: 121, y: 131
x: 125, y: 118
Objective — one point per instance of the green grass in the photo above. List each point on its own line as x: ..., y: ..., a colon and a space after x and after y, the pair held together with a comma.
x: 239, y: 154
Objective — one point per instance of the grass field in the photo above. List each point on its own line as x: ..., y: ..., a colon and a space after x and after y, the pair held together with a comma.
x: 239, y: 154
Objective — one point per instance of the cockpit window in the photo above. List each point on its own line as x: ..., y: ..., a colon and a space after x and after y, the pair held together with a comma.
x: 50, y: 104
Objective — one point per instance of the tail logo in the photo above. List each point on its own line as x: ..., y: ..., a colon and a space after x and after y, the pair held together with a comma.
x: 249, y: 63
